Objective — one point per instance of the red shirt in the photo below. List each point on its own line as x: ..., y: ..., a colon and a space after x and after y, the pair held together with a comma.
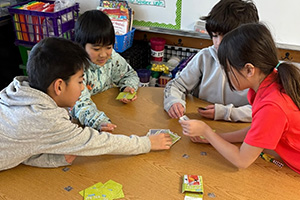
x: 275, y: 122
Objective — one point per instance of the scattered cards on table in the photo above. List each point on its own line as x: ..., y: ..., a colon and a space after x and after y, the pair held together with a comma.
x: 107, y: 191
x: 125, y: 95
x: 174, y: 136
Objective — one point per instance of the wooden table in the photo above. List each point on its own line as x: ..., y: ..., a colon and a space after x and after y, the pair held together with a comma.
x: 156, y: 175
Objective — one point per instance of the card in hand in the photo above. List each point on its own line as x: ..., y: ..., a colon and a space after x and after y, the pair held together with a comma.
x: 125, y: 95
x: 153, y: 131
x: 173, y: 136
x: 184, y: 117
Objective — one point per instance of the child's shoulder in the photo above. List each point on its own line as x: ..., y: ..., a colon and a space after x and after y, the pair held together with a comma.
x: 115, y: 55
x: 208, y: 53
x: 117, y: 59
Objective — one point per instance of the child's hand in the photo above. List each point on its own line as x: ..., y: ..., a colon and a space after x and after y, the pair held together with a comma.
x: 131, y: 90
x: 160, y: 141
x: 195, y: 129
x: 198, y: 139
x: 108, y: 127
x: 176, y: 110
x: 70, y: 158
x: 209, y: 112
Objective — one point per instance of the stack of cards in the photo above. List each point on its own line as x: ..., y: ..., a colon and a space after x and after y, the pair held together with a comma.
x: 107, y: 191
x: 174, y: 136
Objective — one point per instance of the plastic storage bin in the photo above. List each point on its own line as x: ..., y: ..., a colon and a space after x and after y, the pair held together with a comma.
x: 32, y: 26
x: 123, y: 42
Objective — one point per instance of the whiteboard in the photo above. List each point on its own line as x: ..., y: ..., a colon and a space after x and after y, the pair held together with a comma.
x: 281, y: 16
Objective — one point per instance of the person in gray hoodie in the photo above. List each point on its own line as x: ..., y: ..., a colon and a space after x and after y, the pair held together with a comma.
x: 35, y: 126
x: 204, y: 77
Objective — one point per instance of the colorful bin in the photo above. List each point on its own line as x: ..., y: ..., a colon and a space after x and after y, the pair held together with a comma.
x: 32, y: 26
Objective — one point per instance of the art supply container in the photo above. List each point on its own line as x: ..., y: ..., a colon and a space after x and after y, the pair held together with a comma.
x: 144, y: 75
x: 31, y: 26
x: 157, y: 48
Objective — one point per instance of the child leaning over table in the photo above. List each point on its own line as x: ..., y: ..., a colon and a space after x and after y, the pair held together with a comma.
x: 35, y: 127
x: 204, y: 77
x: 249, y: 57
x: 95, y: 33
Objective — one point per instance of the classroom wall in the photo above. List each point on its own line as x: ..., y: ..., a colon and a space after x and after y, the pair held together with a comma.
x: 280, y: 16
x: 87, y: 4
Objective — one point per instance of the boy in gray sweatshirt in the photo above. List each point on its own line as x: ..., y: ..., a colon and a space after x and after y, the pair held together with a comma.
x: 204, y: 77
x: 35, y: 127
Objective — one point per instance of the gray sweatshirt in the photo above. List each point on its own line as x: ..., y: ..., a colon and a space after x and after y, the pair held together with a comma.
x: 204, y: 78
x: 35, y: 131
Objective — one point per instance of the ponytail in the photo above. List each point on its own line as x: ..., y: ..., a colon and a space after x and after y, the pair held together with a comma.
x: 253, y: 43
x: 289, y: 78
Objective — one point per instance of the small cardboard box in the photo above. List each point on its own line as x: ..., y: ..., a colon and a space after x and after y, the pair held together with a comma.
x: 192, y: 186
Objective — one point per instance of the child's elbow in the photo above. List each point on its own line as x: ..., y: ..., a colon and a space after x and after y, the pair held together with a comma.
x: 242, y: 165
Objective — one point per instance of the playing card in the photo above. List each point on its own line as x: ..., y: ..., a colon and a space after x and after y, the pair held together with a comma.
x: 184, y: 117
x: 173, y: 136
x: 153, y: 131
x: 108, y: 191
x: 125, y: 95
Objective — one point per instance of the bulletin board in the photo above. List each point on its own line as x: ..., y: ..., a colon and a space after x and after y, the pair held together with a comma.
x: 157, y: 13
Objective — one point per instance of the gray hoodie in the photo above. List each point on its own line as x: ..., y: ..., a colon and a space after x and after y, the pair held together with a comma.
x: 35, y: 131
x: 204, y: 78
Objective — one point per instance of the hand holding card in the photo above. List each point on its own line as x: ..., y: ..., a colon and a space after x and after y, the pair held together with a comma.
x: 173, y: 136
x: 184, y: 117
x: 125, y: 95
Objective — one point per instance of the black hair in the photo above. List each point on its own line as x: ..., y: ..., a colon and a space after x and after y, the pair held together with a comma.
x: 253, y: 43
x: 94, y: 27
x: 229, y: 14
x: 54, y: 58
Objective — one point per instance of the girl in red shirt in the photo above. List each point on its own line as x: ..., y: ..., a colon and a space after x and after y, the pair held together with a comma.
x: 249, y: 57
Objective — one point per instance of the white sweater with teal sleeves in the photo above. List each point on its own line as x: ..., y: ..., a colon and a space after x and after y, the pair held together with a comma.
x: 35, y: 131
x: 204, y: 78
x: 115, y: 73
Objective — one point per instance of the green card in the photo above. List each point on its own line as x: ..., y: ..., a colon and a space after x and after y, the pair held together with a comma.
x: 125, y: 95
x: 115, y: 188
x: 107, y: 191
x: 92, y: 192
